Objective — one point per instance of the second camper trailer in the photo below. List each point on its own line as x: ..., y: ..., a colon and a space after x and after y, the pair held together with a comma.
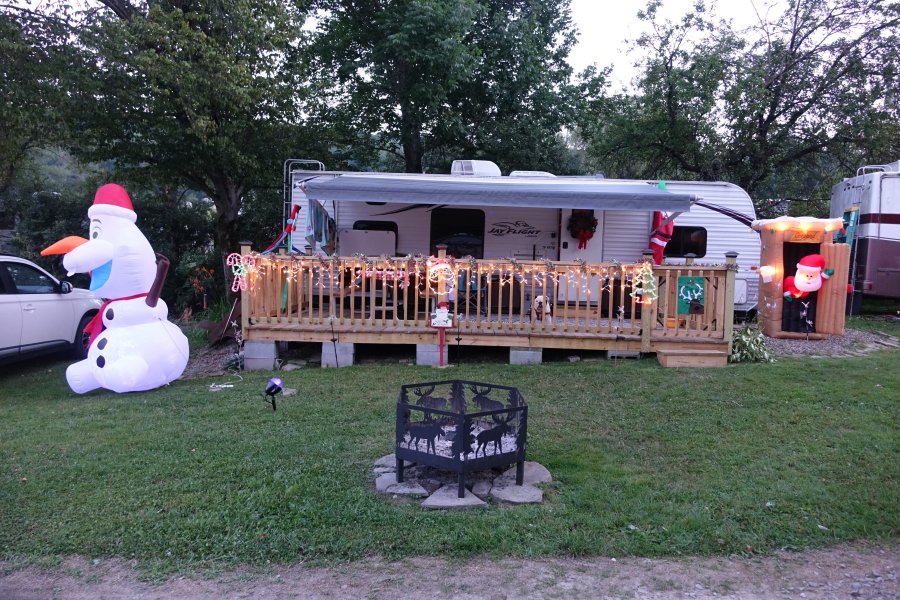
x: 870, y: 206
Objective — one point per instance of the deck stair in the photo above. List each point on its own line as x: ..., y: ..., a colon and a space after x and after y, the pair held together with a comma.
x: 692, y: 358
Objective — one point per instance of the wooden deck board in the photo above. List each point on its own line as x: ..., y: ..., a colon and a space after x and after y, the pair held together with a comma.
x: 692, y: 358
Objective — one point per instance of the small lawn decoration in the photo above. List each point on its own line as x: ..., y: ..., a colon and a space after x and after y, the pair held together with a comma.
x: 133, y: 346
x: 803, y: 277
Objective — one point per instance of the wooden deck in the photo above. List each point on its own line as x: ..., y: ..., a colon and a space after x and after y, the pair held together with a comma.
x: 602, y: 306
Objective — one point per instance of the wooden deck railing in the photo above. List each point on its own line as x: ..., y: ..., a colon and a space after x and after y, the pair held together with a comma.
x: 491, y: 297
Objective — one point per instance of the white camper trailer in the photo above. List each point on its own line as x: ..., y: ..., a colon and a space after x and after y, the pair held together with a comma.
x: 870, y: 206
x: 477, y: 212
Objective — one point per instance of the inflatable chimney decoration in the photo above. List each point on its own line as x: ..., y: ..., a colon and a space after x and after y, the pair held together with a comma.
x: 803, y: 277
x: 133, y: 346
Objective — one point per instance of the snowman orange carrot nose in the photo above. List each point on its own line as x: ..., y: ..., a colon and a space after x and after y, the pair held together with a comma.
x: 64, y: 246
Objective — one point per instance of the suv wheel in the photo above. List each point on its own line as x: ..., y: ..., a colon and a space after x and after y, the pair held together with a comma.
x: 82, y: 338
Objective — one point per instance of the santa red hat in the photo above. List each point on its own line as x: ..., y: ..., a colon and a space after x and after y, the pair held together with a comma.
x: 813, y: 263
x: 112, y: 200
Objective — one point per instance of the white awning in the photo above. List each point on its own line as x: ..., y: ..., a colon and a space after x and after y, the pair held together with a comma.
x: 575, y: 193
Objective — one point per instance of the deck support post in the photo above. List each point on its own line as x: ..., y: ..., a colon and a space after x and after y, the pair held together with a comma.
x: 260, y: 356
x: 526, y: 356
x: 427, y: 355
x: 338, y: 354
x: 728, y: 326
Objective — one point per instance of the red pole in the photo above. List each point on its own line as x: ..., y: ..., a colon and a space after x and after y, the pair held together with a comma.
x: 441, y: 355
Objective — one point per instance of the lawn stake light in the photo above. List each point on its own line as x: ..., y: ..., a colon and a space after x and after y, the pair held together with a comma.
x: 458, y: 340
x: 272, y: 388
x: 334, y: 341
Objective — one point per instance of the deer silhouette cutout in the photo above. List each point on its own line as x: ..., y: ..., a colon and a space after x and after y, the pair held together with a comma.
x: 426, y: 400
x: 482, y: 401
x: 493, y: 435
x: 426, y: 430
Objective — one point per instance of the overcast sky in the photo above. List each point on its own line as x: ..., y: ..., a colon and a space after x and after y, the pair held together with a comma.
x: 607, y: 27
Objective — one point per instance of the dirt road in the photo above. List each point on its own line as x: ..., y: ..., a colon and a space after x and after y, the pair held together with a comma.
x: 850, y: 572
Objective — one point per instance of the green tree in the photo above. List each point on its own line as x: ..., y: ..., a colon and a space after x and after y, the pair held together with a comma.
x: 395, y: 63
x: 53, y: 196
x: 32, y: 54
x: 431, y: 80
x: 519, y: 98
x: 201, y: 94
x: 774, y: 109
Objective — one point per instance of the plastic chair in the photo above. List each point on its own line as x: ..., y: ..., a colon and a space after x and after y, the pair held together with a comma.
x: 467, y: 289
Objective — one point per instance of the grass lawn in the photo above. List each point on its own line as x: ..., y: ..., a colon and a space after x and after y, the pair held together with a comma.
x: 646, y: 461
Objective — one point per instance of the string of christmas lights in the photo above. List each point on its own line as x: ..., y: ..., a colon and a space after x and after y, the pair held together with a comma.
x: 443, y: 275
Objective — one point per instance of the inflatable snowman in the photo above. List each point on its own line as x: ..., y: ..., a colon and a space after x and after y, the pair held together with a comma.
x: 133, y: 345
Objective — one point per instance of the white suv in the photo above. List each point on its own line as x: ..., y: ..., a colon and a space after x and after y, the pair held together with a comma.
x: 39, y: 313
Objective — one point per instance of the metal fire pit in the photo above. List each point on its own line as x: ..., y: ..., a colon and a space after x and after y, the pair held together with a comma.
x: 462, y: 427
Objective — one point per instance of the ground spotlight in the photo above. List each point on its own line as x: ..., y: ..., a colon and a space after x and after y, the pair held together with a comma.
x: 272, y: 388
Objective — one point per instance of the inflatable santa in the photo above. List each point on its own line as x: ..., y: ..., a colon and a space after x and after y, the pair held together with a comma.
x: 660, y: 234
x: 811, y: 272
x: 133, y: 345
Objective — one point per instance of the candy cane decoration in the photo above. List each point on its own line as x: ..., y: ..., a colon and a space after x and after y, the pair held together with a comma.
x: 240, y: 266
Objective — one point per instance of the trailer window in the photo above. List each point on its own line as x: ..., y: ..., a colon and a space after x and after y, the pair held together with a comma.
x: 686, y: 240
x: 461, y: 229
x: 375, y: 226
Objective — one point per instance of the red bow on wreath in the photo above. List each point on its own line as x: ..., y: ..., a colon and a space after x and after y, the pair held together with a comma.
x: 583, y: 237
x: 582, y: 227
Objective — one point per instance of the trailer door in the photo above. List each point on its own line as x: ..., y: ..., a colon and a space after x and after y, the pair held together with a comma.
x: 460, y: 229
x: 580, y: 288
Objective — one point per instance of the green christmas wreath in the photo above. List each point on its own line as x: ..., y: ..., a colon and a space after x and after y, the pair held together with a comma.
x: 582, y: 226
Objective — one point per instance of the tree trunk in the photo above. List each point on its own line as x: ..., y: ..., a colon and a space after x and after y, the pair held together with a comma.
x: 411, y: 140
x: 228, y: 205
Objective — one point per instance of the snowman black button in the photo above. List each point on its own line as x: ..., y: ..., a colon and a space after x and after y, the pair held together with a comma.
x: 110, y: 314
x: 101, y: 361
x: 102, y: 343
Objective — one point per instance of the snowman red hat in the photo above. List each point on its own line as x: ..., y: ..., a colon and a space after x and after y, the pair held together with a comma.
x: 813, y: 264
x: 112, y: 200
